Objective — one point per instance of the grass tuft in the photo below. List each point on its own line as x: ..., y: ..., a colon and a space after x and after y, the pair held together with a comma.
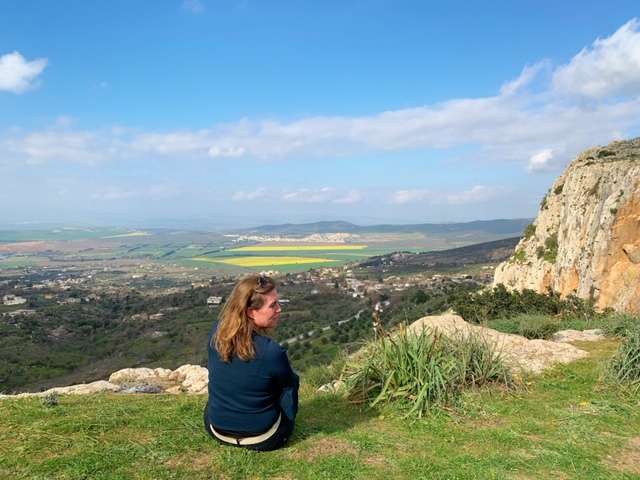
x: 420, y: 371
x: 623, y: 369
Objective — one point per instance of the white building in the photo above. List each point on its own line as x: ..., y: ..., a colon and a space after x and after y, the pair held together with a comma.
x: 13, y: 300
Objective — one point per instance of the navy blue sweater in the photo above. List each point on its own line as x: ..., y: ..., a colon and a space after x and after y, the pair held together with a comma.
x: 248, y: 396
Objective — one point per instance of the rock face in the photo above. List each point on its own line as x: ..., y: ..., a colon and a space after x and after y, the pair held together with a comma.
x: 586, y: 238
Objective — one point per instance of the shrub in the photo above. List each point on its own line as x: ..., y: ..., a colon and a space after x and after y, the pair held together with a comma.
x: 421, y: 371
x: 606, y: 153
x: 529, y: 230
x: 551, y: 248
x: 538, y: 326
x: 50, y: 399
x: 498, y: 302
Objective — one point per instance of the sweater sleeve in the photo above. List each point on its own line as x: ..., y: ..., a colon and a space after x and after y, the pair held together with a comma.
x: 288, y: 381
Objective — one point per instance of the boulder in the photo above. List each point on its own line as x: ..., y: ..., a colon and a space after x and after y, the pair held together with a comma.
x: 521, y: 354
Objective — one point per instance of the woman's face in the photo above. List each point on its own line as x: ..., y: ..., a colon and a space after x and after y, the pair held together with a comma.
x: 267, y: 315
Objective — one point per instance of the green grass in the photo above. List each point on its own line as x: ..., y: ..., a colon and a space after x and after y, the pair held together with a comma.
x: 565, y: 424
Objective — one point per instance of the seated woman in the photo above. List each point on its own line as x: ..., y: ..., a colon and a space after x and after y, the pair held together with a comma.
x: 253, y: 391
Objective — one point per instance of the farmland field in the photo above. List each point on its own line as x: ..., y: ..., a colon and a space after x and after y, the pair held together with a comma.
x: 266, y: 261
x: 196, y: 255
x: 291, y: 256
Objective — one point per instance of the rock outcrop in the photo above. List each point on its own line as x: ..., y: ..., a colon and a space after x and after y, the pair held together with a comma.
x: 191, y: 379
x: 520, y: 354
x: 586, y: 238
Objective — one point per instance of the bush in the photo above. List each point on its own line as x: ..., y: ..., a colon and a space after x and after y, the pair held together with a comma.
x: 540, y: 327
x: 624, y: 367
x: 498, y: 302
x: 529, y: 230
x: 421, y: 371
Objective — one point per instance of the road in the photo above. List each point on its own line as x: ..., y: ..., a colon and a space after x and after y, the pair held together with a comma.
x: 323, y: 329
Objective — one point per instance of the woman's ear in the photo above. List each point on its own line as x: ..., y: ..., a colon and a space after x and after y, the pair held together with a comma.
x: 249, y: 313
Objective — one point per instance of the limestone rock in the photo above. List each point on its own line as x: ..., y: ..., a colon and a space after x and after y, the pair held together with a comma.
x: 195, y: 379
x: 586, y: 239
x: 80, y: 389
x: 578, y: 336
x: 128, y: 375
x: 521, y: 354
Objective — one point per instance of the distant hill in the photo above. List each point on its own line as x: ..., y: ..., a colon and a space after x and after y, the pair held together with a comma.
x: 502, y: 227
x: 486, y: 253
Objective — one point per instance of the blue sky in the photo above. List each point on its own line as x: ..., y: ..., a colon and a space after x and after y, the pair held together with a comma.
x: 237, y: 113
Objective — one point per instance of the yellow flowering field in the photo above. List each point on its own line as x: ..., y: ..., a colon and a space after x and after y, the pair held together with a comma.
x: 259, y: 261
x: 289, y: 248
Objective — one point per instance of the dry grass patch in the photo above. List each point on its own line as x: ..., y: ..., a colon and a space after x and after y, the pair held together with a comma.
x: 326, y: 447
x: 190, y: 462
x: 626, y: 460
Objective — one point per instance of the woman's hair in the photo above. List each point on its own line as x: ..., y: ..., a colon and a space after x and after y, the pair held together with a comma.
x: 235, y: 330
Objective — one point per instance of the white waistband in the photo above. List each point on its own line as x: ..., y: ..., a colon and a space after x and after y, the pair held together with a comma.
x: 248, y: 440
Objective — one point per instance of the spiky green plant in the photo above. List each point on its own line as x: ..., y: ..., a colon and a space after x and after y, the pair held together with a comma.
x: 623, y: 368
x: 422, y: 370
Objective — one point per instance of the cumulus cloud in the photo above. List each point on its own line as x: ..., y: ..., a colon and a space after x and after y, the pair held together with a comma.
x: 18, y: 75
x: 540, y: 162
x: 610, y: 67
x: 59, y: 145
x: 506, y: 127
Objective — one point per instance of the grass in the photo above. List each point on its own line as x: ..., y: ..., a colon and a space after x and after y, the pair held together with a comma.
x: 566, y: 424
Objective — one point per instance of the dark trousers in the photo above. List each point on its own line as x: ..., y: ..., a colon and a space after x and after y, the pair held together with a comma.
x: 275, y: 441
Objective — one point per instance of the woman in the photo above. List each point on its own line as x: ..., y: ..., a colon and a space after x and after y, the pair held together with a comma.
x: 253, y: 392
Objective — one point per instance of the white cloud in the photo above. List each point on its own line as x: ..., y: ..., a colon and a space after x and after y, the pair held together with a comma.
x: 18, y: 75
x: 194, y: 6
x: 610, y: 67
x: 540, y: 162
x: 479, y: 193
x: 258, y: 194
x: 114, y: 193
x: 59, y: 145
x: 218, y: 151
x: 413, y: 196
x: 309, y: 195
x: 527, y: 76
x: 300, y: 195
x: 354, y: 196
x: 505, y: 128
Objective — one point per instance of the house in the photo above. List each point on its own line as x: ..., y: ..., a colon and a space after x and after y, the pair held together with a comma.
x: 13, y: 300
x: 214, y: 301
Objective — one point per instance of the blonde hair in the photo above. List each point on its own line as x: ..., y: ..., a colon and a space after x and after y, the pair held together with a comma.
x: 235, y: 329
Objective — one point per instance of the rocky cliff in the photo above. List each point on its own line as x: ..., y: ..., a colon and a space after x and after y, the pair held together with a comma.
x: 586, y: 238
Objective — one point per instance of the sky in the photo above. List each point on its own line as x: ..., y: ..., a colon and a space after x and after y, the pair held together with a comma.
x: 228, y: 113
